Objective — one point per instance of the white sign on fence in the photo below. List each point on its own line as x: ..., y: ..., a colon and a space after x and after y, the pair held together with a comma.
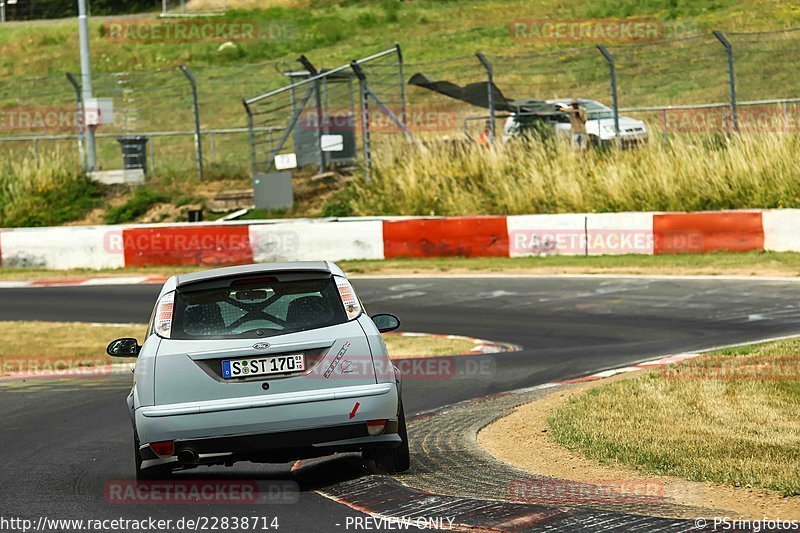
x: 332, y: 143
x: 99, y: 111
x: 285, y: 161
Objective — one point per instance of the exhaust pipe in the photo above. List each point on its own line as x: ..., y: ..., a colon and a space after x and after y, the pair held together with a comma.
x: 188, y: 457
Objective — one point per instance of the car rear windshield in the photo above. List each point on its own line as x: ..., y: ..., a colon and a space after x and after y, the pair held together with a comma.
x: 256, y: 308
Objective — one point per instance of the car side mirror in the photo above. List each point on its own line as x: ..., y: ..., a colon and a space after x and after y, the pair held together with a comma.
x: 126, y: 347
x: 386, y: 322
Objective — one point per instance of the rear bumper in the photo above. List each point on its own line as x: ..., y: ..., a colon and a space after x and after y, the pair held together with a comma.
x: 279, y: 447
x: 299, y: 419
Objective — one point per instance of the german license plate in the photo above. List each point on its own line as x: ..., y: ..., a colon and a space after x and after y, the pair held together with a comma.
x: 263, y: 366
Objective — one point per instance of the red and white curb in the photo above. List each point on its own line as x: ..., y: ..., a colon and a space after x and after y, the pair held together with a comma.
x: 633, y: 368
x: 240, y: 242
x: 83, y: 282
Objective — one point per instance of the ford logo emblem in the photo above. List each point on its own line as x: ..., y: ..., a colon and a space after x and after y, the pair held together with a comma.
x: 261, y: 345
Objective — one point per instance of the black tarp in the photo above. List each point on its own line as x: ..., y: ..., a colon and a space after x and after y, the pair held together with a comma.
x: 477, y: 94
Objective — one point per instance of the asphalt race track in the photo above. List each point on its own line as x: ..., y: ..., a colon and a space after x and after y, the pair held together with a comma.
x: 65, y: 439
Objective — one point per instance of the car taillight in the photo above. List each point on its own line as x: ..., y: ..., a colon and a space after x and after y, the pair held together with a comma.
x: 376, y: 427
x: 164, y: 448
x: 351, y: 304
x: 163, y: 321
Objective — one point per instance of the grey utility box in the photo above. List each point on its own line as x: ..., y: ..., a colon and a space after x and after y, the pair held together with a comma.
x: 273, y: 190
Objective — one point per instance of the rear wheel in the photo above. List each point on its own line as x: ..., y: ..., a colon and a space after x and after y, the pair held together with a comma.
x: 147, y: 474
x: 397, y: 459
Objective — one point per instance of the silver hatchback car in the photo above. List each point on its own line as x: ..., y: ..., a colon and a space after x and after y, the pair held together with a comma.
x: 265, y: 363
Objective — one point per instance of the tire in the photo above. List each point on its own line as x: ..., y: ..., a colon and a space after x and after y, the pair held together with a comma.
x: 397, y: 459
x: 147, y: 474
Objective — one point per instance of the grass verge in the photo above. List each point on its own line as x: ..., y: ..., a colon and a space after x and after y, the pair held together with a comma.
x: 44, y: 346
x: 43, y: 192
x: 347, y: 29
x: 731, y: 417
x: 715, y: 264
x: 402, y: 347
x: 722, y: 263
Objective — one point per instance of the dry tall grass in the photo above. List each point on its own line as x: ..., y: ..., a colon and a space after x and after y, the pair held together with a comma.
x: 43, y: 191
x: 684, y: 173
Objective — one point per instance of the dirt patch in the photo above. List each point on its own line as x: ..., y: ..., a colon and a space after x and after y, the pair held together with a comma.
x: 522, y: 439
x: 166, y: 213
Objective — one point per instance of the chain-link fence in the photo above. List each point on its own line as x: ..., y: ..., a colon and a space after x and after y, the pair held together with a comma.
x: 27, y: 10
x: 710, y: 82
x: 41, y: 114
x: 325, y: 117
x: 184, y: 8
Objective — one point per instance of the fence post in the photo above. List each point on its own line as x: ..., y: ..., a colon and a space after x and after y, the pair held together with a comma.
x: 490, y: 90
x: 365, y: 134
x: 252, y: 135
x: 785, y: 118
x: 86, y: 81
x: 198, y: 142
x: 731, y: 77
x: 403, y: 110
x: 80, y: 117
x: 612, y: 67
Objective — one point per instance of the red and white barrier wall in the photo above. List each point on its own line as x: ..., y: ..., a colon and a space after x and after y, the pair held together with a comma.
x: 214, y: 244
